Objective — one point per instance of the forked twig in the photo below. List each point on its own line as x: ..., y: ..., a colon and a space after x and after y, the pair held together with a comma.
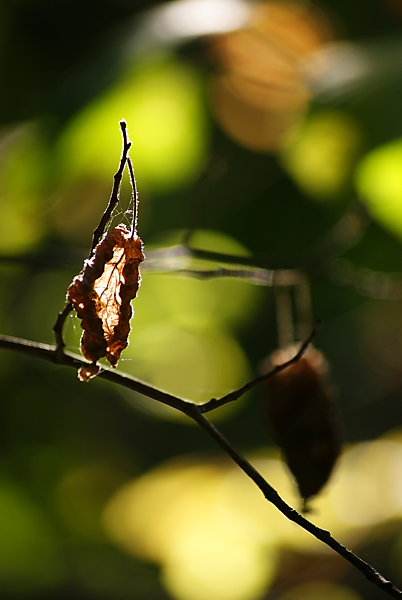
x: 195, y: 412
x: 114, y: 197
x: 98, y: 232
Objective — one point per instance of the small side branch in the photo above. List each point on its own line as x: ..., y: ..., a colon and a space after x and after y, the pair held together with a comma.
x: 236, y: 394
x: 58, y: 331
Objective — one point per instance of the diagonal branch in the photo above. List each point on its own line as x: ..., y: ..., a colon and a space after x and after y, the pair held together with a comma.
x: 194, y: 412
x: 272, y: 496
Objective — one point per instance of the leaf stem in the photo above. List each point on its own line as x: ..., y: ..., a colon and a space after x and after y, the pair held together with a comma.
x: 135, y: 198
x: 114, y: 198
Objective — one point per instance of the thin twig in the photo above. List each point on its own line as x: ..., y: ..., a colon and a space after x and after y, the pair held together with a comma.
x: 194, y: 412
x: 114, y: 198
x: 58, y: 331
x: 135, y: 197
x: 236, y: 394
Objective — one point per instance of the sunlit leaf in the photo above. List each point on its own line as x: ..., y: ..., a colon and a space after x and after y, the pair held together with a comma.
x: 101, y: 296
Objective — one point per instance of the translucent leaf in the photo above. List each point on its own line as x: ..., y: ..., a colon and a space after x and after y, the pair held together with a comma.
x: 101, y: 296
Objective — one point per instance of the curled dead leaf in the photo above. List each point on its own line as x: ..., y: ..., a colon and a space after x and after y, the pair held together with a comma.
x: 300, y: 409
x: 101, y: 296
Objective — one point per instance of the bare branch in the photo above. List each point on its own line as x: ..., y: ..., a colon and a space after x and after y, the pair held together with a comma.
x: 48, y: 352
x: 194, y: 412
x: 272, y: 496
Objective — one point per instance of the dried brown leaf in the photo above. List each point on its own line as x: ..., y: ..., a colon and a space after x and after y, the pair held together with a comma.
x: 300, y: 409
x: 101, y: 296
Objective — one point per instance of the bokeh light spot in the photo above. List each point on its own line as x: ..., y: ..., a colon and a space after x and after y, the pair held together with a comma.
x: 189, y: 363
x: 260, y: 93
x: 318, y: 590
x: 23, y: 181
x: 320, y: 157
x: 160, y: 100
x: 379, y: 183
x: 367, y: 490
x: 211, y: 564
x: 170, y: 516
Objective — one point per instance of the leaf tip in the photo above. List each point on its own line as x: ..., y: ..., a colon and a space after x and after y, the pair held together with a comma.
x: 87, y: 372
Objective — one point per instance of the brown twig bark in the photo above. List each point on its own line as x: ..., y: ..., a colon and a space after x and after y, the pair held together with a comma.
x: 195, y: 412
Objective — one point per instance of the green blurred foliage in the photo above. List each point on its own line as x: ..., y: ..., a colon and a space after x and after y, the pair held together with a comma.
x: 73, y: 455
